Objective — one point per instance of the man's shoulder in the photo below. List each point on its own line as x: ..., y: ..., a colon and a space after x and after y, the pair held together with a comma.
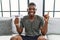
x: 25, y: 17
x: 39, y: 17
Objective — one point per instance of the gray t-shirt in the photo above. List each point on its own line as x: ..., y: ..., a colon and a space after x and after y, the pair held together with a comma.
x: 32, y: 28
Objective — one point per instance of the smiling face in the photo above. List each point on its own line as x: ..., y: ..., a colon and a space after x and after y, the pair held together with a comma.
x: 31, y: 10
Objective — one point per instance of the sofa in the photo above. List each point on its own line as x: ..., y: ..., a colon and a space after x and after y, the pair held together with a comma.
x: 7, y: 28
x: 52, y: 34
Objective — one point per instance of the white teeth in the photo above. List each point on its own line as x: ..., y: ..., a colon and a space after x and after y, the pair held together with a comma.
x: 31, y: 13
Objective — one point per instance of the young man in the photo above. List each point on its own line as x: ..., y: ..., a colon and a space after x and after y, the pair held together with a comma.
x: 33, y: 24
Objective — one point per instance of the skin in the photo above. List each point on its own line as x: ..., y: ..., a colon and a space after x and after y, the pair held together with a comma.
x: 31, y: 12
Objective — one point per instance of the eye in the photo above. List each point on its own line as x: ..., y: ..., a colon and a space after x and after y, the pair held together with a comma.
x: 31, y: 9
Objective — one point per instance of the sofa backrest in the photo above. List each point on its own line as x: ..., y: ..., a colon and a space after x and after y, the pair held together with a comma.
x: 5, y: 26
x: 54, y: 26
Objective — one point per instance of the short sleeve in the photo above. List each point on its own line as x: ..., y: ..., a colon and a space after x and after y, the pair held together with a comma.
x: 41, y: 22
x: 21, y: 23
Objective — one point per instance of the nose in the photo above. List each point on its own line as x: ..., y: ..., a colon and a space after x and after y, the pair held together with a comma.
x: 32, y: 10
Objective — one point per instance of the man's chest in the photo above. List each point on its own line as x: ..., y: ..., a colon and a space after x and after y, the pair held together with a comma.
x: 33, y: 24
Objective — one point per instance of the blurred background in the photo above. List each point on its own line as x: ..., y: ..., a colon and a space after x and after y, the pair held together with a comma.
x: 10, y: 8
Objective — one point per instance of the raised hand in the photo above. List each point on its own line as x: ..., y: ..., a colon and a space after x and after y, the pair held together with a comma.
x: 16, y: 21
x: 46, y: 17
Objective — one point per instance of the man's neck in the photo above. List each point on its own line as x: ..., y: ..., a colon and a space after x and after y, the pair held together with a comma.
x: 31, y: 17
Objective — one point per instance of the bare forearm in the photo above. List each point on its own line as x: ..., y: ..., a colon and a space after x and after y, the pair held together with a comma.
x: 44, y: 29
x: 19, y: 29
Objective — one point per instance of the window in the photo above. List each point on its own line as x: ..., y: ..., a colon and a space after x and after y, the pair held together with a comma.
x: 0, y: 10
x: 23, y: 14
x: 57, y: 6
x: 49, y: 4
x: 53, y: 7
x: 57, y: 9
x: 23, y: 5
x: 6, y: 14
x: 5, y: 5
x: 15, y: 7
x: 10, y: 8
x: 50, y: 14
x: 57, y: 14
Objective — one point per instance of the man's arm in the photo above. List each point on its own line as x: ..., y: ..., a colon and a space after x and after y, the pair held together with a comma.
x: 45, y: 27
x: 19, y: 29
x: 16, y: 22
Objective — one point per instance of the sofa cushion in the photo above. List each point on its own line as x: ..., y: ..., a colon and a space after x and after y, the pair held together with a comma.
x: 54, y: 26
x: 5, y: 26
x: 53, y: 37
x: 14, y: 27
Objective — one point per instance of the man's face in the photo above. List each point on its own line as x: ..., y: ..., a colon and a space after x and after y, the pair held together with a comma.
x: 31, y: 10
